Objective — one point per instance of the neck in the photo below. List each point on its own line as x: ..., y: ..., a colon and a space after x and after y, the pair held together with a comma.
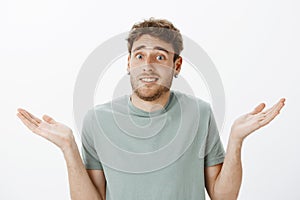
x: 150, y: 106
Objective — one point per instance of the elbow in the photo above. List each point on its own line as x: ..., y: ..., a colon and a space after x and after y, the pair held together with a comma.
x: 97, y: 197
x: 227, y: 193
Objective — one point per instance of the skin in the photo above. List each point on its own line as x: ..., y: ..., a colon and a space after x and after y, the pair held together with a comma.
x: 222, y: 181
x: 149, y: 58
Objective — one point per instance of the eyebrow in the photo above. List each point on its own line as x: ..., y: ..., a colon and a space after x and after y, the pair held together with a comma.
x: 155, y: 48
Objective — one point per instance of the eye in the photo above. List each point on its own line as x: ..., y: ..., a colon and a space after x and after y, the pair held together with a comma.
x: 160, y: 57
x: 139, y: 56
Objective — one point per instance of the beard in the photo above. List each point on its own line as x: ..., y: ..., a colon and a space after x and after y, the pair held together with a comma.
x: 149, y: 93
x: 153, y: 95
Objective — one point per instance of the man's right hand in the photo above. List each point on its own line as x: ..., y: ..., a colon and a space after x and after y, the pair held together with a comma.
x: 56, y: 132
x: 81, y: 184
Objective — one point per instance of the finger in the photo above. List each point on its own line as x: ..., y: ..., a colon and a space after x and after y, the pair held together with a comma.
x: 266, y: 112
x: 49, y: 119
x: 282, y: 100
x: 26, y: 122
x: 27, y: 116
x: 30, y: 116
x: 31, y: 126
x: 274, y: 107
x: 272, y: 113
x: 35, y: 118
x: 258, y: 109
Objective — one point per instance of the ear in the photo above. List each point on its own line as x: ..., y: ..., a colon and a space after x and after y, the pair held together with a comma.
x: 178, y: 63
x: 128, y: 63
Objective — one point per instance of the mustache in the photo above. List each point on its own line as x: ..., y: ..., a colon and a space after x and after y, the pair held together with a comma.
x: 143, y: 75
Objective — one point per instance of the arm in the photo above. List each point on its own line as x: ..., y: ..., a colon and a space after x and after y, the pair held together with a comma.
x: 98, y: 178
x: 81, y: 186
x: 223, y: 181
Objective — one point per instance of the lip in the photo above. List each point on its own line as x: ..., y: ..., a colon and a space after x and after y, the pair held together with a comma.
x: 145, y: 82
x: 149, y: 77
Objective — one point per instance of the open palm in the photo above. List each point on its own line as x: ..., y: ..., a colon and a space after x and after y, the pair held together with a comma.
x: 248, y: 123
x: 53, y: 131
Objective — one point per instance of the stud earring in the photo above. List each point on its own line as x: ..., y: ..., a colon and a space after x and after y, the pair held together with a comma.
x: 176, y: 75
x: 128, y: 73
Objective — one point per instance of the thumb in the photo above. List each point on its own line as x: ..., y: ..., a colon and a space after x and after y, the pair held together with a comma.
x: 49, y: 119
x: 258, y: 108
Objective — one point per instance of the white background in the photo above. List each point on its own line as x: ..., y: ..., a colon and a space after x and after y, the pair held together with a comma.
x: 254, y: 45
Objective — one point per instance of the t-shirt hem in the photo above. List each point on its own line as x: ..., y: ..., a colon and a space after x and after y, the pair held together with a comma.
x: 214, y: 161
x: 93, y: 167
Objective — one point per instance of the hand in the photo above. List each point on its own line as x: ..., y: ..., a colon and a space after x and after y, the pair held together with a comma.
x: 248, y: 123
x: 56, y: 132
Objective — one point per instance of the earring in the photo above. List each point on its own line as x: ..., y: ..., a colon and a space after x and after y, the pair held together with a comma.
x: 128, y: 73
x: 176, y: 75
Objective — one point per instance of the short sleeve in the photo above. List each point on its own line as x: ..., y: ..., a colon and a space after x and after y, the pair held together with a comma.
x: 89, y: 153
x: 214, y: 150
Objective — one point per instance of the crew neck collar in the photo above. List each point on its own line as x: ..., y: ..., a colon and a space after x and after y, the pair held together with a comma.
x: 141, y: 112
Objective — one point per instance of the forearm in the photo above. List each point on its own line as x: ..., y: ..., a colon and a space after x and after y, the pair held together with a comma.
x: 228, y: 182
x: 81, y: 186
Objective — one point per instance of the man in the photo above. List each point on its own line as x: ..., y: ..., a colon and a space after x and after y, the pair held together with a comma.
x: 150, y: 120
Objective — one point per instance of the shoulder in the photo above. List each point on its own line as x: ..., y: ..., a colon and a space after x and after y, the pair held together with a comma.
x: 107, y: 107
x: 191, y: 100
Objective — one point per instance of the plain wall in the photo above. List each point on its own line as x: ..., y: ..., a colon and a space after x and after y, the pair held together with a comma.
x: 253, y: 44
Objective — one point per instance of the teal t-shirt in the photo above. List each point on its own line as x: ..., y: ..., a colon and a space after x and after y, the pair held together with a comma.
x: 159, y: 155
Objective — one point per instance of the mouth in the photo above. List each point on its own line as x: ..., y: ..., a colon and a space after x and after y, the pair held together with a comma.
x: 149, y: 79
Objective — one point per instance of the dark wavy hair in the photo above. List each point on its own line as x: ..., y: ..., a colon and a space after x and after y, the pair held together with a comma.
x: 159, y: 28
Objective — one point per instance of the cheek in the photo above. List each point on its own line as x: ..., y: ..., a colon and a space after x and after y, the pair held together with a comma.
x: 166, y: 70
x: 135, y: 72
x: 135, y: 65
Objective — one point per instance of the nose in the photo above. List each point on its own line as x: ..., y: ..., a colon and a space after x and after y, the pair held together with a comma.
x: 148, y: 65
x: 149, y: 59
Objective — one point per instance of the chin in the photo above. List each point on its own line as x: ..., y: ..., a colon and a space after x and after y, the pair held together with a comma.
x: 151, y: 94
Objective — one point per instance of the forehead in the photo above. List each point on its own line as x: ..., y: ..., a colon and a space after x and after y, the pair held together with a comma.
x: 151, y: 42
